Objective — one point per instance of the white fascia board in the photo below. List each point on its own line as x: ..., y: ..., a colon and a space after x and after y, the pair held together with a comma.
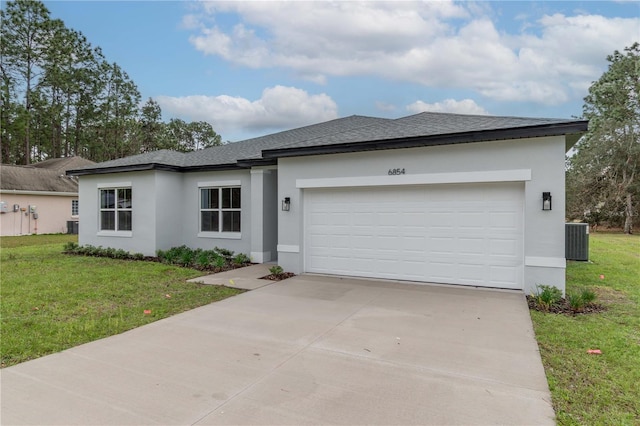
x: 19, y: 192
x: 419, y: 179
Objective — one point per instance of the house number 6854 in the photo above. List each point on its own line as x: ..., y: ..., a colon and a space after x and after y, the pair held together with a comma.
x: 393, y: 172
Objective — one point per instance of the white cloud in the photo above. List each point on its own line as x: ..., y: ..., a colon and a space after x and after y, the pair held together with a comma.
x: 441, y: 44
x: 465, y: 106
x: 278, y: 108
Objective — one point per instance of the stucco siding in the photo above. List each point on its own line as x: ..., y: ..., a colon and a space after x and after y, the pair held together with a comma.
x: 271, y: 208
x: 543, y: 157
x: 170, y: 209
x: 53, y: 213
x: 142, y: 238
x: 191, y: 210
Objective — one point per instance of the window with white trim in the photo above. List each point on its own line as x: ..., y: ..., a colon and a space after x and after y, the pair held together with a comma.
x: 74, y: 208
x: 115, y: 209
x: 220, y: 209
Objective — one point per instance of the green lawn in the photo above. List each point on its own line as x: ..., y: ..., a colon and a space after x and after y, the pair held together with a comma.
x: 597, y: 389
x: 51, y: 301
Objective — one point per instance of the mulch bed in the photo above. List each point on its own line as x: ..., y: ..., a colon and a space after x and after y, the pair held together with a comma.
x: 564, y: 308
x: 278, y: 277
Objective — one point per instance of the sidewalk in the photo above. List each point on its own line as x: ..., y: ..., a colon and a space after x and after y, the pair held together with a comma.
x: 247, y: 278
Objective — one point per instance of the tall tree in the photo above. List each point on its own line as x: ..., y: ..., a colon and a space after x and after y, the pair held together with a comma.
x: 59, y: 96
x: 25, y: 30
x: 604, y: 170
x: 152, y: 132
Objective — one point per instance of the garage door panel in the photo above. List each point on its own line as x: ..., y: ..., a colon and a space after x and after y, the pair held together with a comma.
x: 460, y: 234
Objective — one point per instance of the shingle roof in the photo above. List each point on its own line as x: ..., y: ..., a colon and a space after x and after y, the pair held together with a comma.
x: 163, y: 156
x: 63, y: 164
x: 349, y: 133
x: 425, y: 124
x: 252, y: 148
x: 47, y: 176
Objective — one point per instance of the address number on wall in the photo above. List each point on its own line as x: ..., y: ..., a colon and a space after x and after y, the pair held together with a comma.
x: 394, y: 172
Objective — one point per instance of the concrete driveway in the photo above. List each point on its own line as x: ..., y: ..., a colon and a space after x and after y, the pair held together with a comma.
x: 308, y: 350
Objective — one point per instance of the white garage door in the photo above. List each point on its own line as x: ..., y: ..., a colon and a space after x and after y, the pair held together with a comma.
x: 467, y: 234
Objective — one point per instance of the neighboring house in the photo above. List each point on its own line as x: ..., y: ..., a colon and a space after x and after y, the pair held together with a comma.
x: 40, y: 198
x: 432, y: 197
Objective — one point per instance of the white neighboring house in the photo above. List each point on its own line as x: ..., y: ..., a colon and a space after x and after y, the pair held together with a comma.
x: 39, y: 198
x: 432, y: 197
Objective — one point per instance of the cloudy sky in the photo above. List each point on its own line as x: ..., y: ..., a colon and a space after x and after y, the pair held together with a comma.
x: 255, y: 67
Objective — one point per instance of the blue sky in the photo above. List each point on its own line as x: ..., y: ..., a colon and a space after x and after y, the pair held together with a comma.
x: 252, y: 68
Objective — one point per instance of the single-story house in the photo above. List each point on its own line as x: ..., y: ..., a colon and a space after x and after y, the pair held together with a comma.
x: 432, y: 197
x: 39, y: 198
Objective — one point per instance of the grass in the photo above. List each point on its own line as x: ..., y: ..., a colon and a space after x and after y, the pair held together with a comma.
x: 51, y: 301
x: 597, y: 389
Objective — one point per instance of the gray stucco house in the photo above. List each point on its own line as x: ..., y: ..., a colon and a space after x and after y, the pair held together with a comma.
x: 432, y: 197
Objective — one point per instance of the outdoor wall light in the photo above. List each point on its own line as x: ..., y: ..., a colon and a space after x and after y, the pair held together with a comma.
x: 286, y: 204
x: 546, y: 201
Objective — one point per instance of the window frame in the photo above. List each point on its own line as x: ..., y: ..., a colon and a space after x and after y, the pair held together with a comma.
x: 221, y: 208
x: 75, y: 208
x: 116, y: 209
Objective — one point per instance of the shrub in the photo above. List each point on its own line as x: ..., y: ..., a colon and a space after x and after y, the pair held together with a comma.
x: 241, y: 259
x: 137, y: 256
x: 186, y: 257
x: 121, y: 254
x: 218, y: 259
x: 160, y: 255
x: 276, y: 270
x: 547, y: 296
x: 576, y: 302
x: 71, y: 247
x: 203, y: 258
x: 227, y: 254
x: 219, y: 262
x: 588, y: 295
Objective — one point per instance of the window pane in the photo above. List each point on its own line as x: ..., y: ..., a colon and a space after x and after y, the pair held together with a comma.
x: 235, y: 198
x: 124, y: 198
x: 209, y: 198
x: 231, y: 221
x: 108, y: 221
x: 226, y: 198
x: 107, y: 198
x: 74, y: 207
x: 124, y: 220
x: 209, y: 222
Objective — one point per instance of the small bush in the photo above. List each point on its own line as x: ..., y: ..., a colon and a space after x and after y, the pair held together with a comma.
x: 217, y: 259
x: 588, y: 295
x: 576, y: 302
x: 121, y: 254
x: 219, y: 262
x: 186, y: 258
x: 547, y: 296
x: 276, y: 270
x: 203, y: 259
x: 71, y: 247
x: 137, y: 256
x: 228, y: 254
x: 241, y: 259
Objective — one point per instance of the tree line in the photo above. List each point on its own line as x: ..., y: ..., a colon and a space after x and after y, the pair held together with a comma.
x: 60, y: 96
x: 603, y: 175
